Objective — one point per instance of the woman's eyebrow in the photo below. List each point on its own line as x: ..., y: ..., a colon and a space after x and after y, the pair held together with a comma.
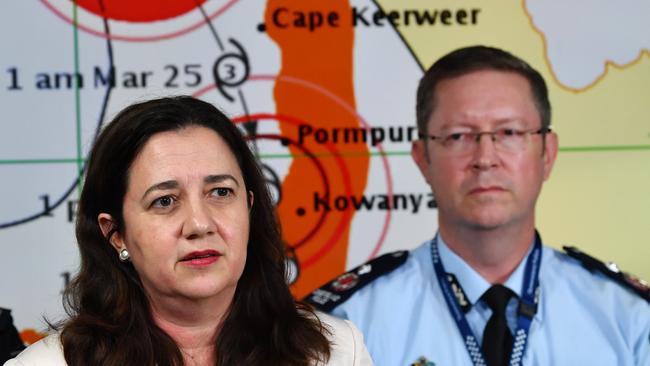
x: 168, y: 184
x: 217, y: 178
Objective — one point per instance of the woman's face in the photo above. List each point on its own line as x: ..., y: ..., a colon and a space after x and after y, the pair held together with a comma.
x: 186, y: 216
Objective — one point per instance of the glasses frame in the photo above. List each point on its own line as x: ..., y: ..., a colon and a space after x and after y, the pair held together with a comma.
x: 476, y: 136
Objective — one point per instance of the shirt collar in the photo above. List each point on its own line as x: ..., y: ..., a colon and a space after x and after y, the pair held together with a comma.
x: 471, y: 281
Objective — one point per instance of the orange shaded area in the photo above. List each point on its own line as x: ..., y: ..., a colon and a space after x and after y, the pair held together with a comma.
x: 323, y: 57
x: 141, y: 10
x: 31, y: 336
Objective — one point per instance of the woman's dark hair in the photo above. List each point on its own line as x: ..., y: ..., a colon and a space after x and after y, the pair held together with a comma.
x: 110, y: 319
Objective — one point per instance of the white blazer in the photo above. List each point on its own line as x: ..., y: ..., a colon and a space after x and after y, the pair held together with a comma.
x: 347, y: 349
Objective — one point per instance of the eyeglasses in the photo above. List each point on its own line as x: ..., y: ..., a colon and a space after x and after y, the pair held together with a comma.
x: 505, y: 139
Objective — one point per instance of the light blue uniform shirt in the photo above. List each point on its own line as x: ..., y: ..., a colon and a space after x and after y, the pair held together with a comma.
x: 583, y: 318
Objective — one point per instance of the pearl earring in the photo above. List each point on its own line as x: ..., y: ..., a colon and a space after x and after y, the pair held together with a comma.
x: 124, y: 255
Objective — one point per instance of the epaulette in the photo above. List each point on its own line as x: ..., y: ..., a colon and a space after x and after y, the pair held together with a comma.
x: 335, y: 292
x: 611, y: 270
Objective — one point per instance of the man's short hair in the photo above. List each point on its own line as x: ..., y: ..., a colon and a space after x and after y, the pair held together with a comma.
x: 475, y: 58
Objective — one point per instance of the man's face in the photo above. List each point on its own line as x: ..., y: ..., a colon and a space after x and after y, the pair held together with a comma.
x: 486, y: 188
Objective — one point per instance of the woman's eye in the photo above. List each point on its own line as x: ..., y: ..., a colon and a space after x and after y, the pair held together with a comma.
x: 222, y: 192
x: 162, y: 202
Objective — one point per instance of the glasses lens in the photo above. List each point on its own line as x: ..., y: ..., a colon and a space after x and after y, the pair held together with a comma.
x: 510, y: 139
x: 458, y: 142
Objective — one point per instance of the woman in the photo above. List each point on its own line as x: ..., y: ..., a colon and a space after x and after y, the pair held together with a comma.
x: 181, y: 256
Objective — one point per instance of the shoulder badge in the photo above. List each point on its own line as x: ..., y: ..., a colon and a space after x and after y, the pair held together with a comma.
x: 611, y: 270
x: 335, y: 292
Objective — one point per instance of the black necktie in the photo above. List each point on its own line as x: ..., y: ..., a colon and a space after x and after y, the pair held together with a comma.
x: 497, y: 339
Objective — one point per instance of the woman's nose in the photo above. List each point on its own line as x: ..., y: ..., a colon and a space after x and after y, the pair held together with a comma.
x: 198, y: 221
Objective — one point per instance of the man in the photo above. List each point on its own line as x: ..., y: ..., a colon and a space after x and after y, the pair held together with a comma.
x: 484, y: 290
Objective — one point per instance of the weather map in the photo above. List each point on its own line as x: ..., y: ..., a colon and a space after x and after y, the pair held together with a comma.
x: 324, y: 92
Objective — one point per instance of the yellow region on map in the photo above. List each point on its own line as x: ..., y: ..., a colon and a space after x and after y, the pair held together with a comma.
x: 598, y: 197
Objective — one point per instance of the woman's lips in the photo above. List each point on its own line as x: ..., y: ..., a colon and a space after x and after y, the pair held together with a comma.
x: 201, y: 258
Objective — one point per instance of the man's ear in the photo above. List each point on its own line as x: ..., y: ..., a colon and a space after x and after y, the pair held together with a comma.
x: 109, y: 230
x: 419, y: 155
x: 551, y: 147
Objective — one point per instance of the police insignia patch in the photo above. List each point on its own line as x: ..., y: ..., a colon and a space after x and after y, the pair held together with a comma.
x: 345, y: 281
x: 611, y: 270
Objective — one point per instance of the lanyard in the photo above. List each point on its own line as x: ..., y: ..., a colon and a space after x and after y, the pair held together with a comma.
x: 525, y: 313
